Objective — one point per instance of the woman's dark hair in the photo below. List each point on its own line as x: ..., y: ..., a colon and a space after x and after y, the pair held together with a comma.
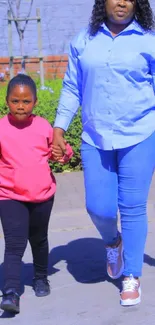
x: 143, y: 15
x: 22, y: 79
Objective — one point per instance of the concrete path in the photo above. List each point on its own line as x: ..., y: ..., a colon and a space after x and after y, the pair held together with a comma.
x: 81, y: 292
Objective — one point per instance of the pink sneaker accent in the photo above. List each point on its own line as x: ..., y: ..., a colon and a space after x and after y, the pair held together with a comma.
x: 131, y: 292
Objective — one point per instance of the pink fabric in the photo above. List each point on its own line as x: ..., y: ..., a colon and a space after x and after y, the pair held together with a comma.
x: 24, y: 153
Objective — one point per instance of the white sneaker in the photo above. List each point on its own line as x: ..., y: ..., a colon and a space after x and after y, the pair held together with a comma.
x: 115, y: 261
x: 131, y: 292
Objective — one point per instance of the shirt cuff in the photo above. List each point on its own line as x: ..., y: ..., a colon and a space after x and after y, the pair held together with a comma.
x: 62, y: 121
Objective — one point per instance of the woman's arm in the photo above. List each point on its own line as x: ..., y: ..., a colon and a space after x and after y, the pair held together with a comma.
x: 71, y: 95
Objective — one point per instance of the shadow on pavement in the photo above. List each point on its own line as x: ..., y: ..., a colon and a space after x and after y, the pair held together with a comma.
x: 149, y: 260
x: 7, y: 315
x: 85, y: 259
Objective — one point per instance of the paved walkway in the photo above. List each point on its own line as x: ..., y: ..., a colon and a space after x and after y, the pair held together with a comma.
x: 81, y: 293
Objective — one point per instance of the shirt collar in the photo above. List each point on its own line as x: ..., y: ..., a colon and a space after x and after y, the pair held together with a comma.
x: 133, y: 26
x: 20, y: 124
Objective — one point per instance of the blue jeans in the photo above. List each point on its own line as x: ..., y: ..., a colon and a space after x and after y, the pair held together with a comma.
x: 120, y: 179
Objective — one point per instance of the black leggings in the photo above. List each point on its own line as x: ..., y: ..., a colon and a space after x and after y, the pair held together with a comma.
x: 22, y: 222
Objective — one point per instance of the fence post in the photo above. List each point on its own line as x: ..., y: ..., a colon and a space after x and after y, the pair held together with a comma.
x: 10, y: 45
x: 40, y: 47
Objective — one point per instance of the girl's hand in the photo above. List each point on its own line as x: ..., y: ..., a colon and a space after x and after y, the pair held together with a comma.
x: 67, y: 156
x: 58, y: 144
x: 61, y: 151
x: 59, y: 156
x: 57, y: 153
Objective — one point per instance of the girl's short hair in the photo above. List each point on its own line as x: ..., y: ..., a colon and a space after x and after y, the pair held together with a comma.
x: 22, y: 79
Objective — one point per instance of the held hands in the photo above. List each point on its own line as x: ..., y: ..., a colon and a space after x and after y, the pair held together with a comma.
x: 61, y: 151
x: 57, y: 154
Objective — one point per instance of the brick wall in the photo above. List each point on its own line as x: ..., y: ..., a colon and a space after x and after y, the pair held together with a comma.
x: 60, y: 20
x: 54, y: 66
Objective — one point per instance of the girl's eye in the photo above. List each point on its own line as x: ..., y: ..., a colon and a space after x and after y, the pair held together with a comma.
x: 15, y: 101
x: 26, y: 102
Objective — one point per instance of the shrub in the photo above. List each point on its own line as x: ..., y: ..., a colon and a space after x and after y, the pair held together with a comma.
x: 3, y: 108
x: 47, y: 105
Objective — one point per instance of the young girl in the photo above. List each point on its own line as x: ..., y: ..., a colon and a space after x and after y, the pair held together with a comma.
x: 27, y: 188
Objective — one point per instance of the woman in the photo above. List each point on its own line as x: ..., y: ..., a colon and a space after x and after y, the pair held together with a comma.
x: 111, y: 74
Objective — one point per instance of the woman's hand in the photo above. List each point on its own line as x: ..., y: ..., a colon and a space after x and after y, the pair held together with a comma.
x: 61, y: 150
x: 57, y: 153
x: 58, y: 144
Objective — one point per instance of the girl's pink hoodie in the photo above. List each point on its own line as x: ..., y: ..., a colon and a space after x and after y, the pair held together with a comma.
x: 25, y: 149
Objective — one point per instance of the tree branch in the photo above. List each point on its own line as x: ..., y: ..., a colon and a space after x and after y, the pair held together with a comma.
x: 20, y: 29
x: 14, y: 16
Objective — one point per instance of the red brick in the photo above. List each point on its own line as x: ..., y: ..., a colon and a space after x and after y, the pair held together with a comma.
x: 63, y: 64
x: 54, y: 66
x: 60, y: 75
x: 64, y: 58
x: 4, y: 60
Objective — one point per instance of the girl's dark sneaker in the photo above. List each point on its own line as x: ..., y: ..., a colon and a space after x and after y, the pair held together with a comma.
x: 10, y: 301
x: 41, y: 287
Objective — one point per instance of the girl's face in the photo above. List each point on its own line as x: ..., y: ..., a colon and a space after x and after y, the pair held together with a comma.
x: 21, y: 102
x: 120, y: 11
